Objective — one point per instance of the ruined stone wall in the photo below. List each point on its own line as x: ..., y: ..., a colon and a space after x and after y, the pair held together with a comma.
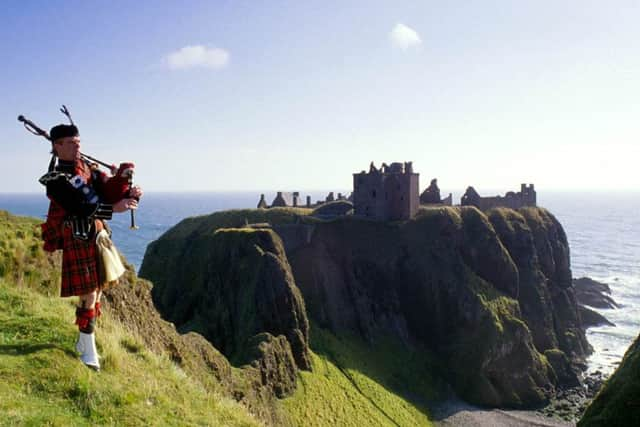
x: 513, y: 201
x: 413, y: 193
x: 525, y: 197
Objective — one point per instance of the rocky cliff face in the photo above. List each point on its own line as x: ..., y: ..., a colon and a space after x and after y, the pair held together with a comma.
x: 538, y: 245
x: 491, y: 295
x: 476, y: 294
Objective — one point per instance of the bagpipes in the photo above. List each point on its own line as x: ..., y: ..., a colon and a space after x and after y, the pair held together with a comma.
x: 116, y: 188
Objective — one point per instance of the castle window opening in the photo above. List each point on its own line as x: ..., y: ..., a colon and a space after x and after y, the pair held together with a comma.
x: 373, y: 194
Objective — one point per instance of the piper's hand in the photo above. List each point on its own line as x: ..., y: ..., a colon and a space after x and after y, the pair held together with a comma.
x: 135, y: 192
x: 125, y: 170
x: 125, y: 204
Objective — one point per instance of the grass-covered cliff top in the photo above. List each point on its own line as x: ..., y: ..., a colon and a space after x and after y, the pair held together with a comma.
x: 235, y: 218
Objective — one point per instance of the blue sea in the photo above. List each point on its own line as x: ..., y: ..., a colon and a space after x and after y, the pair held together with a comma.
x: 603, y: 231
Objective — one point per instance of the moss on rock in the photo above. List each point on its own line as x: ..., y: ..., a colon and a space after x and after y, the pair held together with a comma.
x: 562, y: 367
x: 229, y: 285
x: 483, y: 251
x: 272, y: 357
x: 618, y: 403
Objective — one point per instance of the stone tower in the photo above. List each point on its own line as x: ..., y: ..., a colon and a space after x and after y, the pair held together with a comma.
x: 387, y: 194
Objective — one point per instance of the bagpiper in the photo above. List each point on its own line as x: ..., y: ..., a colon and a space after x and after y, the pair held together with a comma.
x: 82, y: 198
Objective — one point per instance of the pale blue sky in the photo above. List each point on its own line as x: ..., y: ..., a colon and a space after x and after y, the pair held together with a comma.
x: 299, y: 95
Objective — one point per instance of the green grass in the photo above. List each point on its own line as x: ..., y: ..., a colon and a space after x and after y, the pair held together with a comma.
x: 356, y: 384
x: 235, y: 218
x: 22, y: 259
x: 42, y: 381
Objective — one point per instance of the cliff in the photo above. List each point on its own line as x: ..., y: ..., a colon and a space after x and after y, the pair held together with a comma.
x: 490, y: 295
x: 538, y: 245
x: 448, y: 281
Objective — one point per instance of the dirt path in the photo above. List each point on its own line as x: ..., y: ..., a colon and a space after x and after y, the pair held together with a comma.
x: 456, y: 413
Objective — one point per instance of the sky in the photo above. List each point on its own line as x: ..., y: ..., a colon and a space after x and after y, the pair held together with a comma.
x: 294, y: 96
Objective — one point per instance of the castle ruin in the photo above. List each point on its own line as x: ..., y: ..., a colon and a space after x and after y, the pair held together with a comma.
x: 387, y: 194
x: 525, y: 197
x: 392, y: 193
x: 431, y: 195
x: 292, y: 199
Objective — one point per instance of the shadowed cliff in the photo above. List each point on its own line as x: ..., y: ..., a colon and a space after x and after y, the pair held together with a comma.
x: 447, y: 280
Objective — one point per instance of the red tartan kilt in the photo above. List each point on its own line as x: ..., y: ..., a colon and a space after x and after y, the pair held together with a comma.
x: 79, y: 265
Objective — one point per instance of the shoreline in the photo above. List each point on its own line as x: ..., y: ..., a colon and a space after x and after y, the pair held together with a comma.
x: 455, y: 412
x: 564, y: 410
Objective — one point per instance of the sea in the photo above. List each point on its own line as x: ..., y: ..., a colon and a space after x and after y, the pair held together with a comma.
x: 603, y: 230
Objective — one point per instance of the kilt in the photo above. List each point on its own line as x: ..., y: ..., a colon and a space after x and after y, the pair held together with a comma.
x: 79, y: 265
x: 79, y: 257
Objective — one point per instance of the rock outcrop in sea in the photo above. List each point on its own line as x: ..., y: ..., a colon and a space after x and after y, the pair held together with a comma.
x: 591, y: 293
x: 490, y: 294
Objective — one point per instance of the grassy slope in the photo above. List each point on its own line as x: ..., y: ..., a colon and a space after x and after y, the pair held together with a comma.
x: 22, y: 259
x: 354, y: 384
x: 44, y: 383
